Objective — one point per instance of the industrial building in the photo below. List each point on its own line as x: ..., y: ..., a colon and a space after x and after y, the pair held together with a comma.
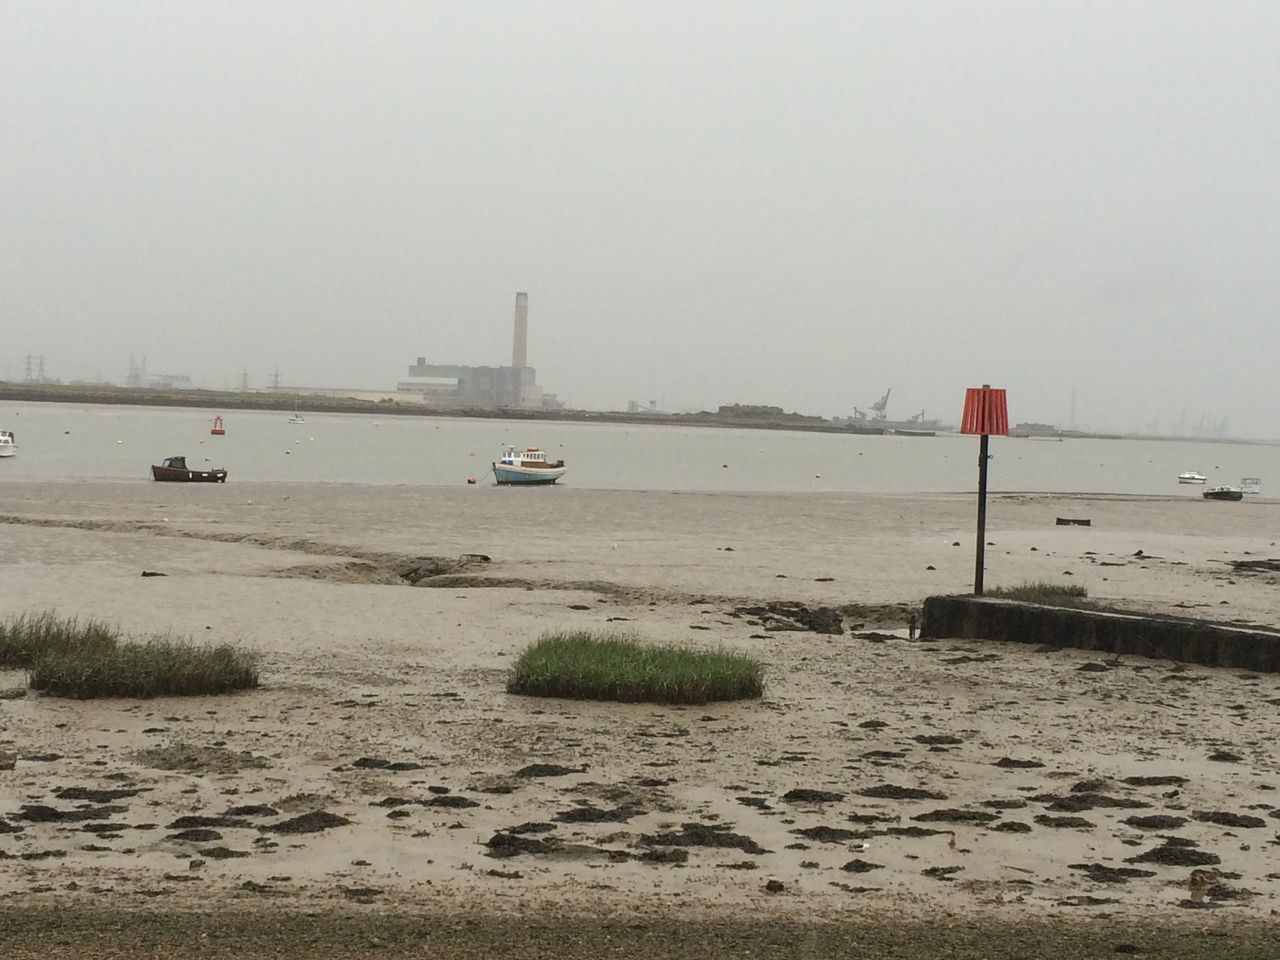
x: 454, y: 385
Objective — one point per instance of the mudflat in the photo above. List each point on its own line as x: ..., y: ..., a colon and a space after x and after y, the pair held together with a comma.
x: 886, y: 795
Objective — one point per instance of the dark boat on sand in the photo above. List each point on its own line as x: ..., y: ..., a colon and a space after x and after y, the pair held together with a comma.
x: 175, y: 470
x: 1223, y: 493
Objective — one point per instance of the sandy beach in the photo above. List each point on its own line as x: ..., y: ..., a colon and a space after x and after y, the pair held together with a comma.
x: 380, y: 765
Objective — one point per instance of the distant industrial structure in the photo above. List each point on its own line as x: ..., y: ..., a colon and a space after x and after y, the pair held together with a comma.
x: 454, y: 385
x: 138, y: 377
x: 635, y: 406
x: 879, y: 422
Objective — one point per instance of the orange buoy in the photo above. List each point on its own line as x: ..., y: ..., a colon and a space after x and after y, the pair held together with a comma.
x: 471, y: 479
x: 217, y: 430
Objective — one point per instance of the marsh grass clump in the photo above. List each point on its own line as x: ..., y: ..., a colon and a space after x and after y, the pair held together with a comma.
x: 25, y: 639
x: 582, y: 665
x: 1050, y: 594
x: 150, y: 668
x: 68, y: 657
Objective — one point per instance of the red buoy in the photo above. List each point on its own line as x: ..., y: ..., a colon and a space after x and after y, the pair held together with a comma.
x: 217, y: 430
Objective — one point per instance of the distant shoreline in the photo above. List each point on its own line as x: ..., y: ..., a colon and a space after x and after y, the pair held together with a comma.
x: 314, y: 403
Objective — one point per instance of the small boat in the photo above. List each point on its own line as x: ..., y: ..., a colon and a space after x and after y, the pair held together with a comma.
x: 1251, y: 485
x: 1191, y: 476
x: 175, y: 470
x: 527, y: 466
x: 297, y: 418
x: 1223, y: 492
x: 8, y: 444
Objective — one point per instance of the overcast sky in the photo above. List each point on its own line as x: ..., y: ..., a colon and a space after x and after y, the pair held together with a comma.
x: 708, y: 201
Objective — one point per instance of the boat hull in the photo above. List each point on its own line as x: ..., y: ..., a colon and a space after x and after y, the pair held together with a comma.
x: 7, y: 451
x: 1223, y: 494
x: 174, y: 475
x: 526, y: 476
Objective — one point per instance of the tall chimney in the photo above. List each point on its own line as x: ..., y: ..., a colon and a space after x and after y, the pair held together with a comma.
x: 519, y: 348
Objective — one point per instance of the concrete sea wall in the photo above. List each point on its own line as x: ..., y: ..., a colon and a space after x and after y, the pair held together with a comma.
x: 1172, y: 638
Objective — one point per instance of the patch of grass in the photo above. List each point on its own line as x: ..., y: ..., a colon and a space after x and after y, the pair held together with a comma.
x: 151, y: 668
x: 68, y: 657
x: 582, y: 665
x: 1050, y: 594
x: 25, y: 639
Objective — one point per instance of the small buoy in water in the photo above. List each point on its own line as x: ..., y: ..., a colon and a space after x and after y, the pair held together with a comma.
x: 817, y: 476
x: 66, y: 433
x: 287, y: 452
x: 724, y: 466
x: 119, y: 441
x: 471, y: 479
x: 296, y: 442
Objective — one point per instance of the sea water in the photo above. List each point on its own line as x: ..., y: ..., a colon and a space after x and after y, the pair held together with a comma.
x: 58, y: 441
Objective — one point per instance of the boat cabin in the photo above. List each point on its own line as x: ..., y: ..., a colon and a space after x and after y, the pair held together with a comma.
x: 533, y: 457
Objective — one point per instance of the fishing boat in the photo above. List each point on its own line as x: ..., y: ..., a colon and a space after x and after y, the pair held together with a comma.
x: 1251, y: 485
x: 1223, y: 492
x: 297, y: 418
x: 527, y: 466
x: 175, y: 470
x: 1191, y: 476
x: 8, y: 444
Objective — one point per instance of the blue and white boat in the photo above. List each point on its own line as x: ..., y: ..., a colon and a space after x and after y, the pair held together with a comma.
x: 527, y: 466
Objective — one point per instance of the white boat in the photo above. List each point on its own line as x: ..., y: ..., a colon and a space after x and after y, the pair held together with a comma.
x: 8, y: 444
x: 297, y: 418
x: 1191, y: 477
x: 527, y: 466
x: 1251, y: 485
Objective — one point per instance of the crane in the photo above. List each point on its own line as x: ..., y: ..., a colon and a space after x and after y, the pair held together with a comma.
x: 878, y: 408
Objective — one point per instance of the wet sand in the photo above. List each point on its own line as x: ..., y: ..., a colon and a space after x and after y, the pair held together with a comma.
x: 895, y: 780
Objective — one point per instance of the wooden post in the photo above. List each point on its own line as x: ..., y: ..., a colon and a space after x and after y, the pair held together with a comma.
x: 980, y: 560
x: 986, y: 414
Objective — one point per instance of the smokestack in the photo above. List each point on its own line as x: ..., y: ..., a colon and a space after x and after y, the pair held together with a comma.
x: 519, y: 348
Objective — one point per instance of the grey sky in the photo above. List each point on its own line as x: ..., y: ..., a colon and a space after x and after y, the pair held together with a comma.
x: 708, y: 202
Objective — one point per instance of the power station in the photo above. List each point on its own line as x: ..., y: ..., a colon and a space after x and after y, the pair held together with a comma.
x: 454, y: 385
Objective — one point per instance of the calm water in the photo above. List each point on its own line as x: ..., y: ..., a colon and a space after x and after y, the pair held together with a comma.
x: 92, y: 442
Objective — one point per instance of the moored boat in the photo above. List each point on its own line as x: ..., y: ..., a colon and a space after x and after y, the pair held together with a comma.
x: 1223, y: 492
x: 1190, y: 476
x: 175, y: 470
x: 8, y: 444
x: 529, y: 466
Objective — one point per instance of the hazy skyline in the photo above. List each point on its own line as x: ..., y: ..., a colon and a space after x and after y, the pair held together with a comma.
x: 799, y: 204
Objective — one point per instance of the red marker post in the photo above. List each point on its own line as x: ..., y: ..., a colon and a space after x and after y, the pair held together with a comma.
x: 986, y: 413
